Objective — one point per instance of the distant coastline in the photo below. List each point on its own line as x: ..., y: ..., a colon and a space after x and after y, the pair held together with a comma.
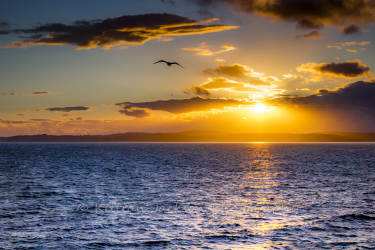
x: 198, y: 136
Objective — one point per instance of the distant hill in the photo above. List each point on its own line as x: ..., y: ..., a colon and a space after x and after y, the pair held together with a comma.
x: 3, y: 139
x: 198, y: 136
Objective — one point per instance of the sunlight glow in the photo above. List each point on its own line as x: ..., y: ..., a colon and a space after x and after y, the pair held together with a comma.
x: 260, y: 108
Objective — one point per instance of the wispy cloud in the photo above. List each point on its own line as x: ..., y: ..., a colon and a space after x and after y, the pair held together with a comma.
x: 347, y: 44
x: 68, y: 109
x: 313, y: 34
x: 26, y: 94
x: 41, y: 93
x: 203, y: 49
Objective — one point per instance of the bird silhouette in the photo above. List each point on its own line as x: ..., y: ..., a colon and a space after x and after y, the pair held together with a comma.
x: 169, y: 63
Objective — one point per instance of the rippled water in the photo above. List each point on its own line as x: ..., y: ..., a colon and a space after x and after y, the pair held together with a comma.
x: 187, y: 196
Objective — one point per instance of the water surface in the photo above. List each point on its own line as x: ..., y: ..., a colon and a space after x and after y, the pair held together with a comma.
x: 187, y: 195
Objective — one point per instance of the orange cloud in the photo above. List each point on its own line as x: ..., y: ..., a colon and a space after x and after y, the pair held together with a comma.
x: 242, y: 71
x: 346, y: 44
x: 221, y: 83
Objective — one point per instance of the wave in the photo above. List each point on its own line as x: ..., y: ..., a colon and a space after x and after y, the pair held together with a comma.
x: 356, y: 217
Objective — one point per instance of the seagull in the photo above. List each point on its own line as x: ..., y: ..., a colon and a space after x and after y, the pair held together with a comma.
x: 169, y: 63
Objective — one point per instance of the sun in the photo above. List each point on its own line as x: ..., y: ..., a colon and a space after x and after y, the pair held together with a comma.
x: 260, y: 108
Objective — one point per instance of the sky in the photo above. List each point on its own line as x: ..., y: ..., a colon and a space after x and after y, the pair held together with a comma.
x: 248, y: 66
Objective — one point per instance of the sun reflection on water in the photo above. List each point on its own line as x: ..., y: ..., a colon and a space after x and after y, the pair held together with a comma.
x: 259, y: 207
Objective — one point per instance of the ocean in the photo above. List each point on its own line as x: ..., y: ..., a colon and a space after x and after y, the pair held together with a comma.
x: 187, y: 195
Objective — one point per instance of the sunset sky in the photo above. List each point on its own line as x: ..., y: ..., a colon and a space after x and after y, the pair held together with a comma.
x: 86, y: 67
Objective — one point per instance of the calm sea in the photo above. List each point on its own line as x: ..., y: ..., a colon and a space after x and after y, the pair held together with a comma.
x: 187, y: 196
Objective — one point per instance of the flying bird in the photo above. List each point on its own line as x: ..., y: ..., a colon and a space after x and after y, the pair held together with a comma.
x: 169, y: 63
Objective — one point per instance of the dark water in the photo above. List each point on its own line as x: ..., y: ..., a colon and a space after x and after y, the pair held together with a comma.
x: 187, y: 196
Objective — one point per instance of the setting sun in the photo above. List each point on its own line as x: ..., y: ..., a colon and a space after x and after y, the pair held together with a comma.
x: 260, y: 108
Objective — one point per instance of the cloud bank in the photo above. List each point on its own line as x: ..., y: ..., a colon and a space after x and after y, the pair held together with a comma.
x: 357, y: 95
x: 111, y: 32
x: 178, y: 106
x: 309, y: 14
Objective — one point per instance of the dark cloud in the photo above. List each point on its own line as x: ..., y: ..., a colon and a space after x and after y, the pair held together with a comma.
x: 308, y: 24
x: 351, y: 29
x: 198, y: 90
x: 68, y: 109
x: 77, y: 119
x: 324, y: 91
x: 34, y: 37
x: 182, y: 106
x: 34, y: 93
x: 348, y: 69
x: 139, y: 113
x: 2, y: 25
x: 357, y: 95
x: 119, y: 31
x: 307, y: 13
x: 313, y: 34
x: 41, y: 93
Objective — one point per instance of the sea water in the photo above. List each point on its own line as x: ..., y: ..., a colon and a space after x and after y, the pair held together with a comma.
x: 187, y: 195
